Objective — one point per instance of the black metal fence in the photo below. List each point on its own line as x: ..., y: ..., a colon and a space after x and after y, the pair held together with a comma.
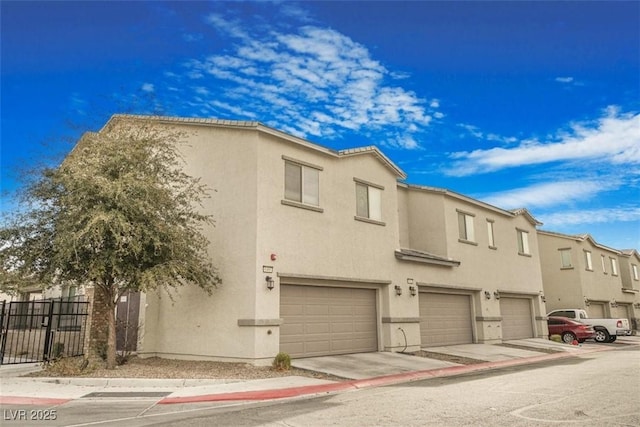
x: 42, y: 330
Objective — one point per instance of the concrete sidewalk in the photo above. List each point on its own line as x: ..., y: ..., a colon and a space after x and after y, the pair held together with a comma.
x: 359, y: 370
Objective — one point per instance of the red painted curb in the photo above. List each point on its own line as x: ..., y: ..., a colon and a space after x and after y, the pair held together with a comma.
x: 262, y: 394
x: 369, y: 382
x: 38, y: 401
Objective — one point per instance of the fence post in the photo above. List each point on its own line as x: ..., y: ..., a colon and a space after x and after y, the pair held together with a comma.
x: 3, y: 332
x: 47, y: 338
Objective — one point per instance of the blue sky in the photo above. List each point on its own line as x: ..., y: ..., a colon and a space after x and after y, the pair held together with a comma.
x: 518, y: 104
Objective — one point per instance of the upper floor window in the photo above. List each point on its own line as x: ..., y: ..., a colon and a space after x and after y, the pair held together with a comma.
x: 368, y: 201
x: 604, y: 265
x: 565, y: 258
x: 588, y: 261
x: 614, y: 266
x: 302, y: 182
x: 465, y: 227
x: 523, y: 242
x: 634, y: 271
x: 490, y: 234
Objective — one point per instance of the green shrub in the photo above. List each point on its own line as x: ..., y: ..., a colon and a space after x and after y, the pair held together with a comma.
x: 556, y: 338
x: 282, y: 362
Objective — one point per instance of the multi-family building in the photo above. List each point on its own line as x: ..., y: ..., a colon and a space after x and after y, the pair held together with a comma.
x: 330, y: 252
x: 578, y: 272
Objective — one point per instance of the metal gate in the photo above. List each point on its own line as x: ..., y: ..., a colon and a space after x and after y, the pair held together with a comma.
x: 42, y: 330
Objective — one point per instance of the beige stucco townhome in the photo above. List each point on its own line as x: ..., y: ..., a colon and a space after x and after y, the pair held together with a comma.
x: 578, y: 272
x: 329, y: 252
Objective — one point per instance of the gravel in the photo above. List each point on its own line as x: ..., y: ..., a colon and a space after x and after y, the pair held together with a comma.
x: 155, y: 367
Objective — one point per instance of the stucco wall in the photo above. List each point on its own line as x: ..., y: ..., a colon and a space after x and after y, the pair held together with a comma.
x: 193, y: 324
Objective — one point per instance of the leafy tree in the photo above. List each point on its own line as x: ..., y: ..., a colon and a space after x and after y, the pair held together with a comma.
x: 119, y: 213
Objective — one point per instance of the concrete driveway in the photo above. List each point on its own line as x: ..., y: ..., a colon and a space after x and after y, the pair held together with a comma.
x: 369, y: 365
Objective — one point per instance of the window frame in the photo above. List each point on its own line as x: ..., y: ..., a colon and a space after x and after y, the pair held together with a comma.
x: 305, y: 171
x: 614, y: 266
x: 466, y: 227
x: 634, y: 272
x: 588, y: 260
x: 371, y: 202
x: 491, y: 233
x: 565, y: 259
x: 603, y: 259
x: 522, y: 237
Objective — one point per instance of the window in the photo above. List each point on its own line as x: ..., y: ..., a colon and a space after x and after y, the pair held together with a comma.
x: 368, y: 201
x: 565, y: 258
x: 301, y: 183
x: 587, y: 260
x: 492, y: 242
x: 634, y: 270
x: 604, y: 265
x: 523, y: 242
x: 614, y: 266
x: 465, y: 227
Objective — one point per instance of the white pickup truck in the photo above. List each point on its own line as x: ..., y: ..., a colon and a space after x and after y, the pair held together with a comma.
x: 607, y: 330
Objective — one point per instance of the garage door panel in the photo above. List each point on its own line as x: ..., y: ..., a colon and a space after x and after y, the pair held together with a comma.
x: 516, y: 318
x: 334, y: 320
x: 596, y: 310
x: 445, y: 319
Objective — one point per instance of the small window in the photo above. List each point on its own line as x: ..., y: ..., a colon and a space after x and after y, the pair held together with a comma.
x: 523, y: 242
x: 614, y: 266
x: 565, y: 258
x: 465, y: 227
x: 368, y: 201
x: 604, y: 265
x: 301, y: 184
x: 490, y: 234
x: 634, y: 270
x: 588, y: 261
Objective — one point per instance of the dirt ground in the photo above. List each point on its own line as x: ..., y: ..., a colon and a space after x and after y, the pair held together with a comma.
x: 155, y: 367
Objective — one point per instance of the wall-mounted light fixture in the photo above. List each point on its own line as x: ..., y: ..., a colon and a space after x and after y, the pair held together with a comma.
x: 637, y: 305
x: 613, y: 303
x: 543, y: 298
x: 496, y: 294
x: 270, y: 282
x: 398, y: 290
x: 413, y: 291
x: 586, y: 302
x: 487, y: 294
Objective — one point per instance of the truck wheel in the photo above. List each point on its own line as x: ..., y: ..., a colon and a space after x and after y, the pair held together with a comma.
x: 568, y: 337
x: 613, y: 338
x: 602, y: 335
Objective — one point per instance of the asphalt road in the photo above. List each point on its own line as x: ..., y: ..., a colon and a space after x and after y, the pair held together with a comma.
x: 598, y: 389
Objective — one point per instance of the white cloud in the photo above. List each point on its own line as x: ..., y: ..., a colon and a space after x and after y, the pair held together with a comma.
x: 550, y: 194
x: 614, y: 139
x: 313, y: 80
x: 594, y: 216
x: 147, y: 87
x: 564, y: 79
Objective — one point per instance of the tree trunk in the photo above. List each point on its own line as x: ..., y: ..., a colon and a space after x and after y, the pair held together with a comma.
x: 111, y: 335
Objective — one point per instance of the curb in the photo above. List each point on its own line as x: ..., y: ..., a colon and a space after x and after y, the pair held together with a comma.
x: 36, y: 401
x: 291, y: 392
x: 367, y: 383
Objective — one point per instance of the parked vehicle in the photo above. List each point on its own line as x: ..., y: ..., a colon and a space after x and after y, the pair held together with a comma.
x: 607, y: 330
x: 570, y: 330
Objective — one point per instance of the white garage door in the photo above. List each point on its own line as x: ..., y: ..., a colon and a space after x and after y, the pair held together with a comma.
x: 620, y: 311
x: 596, y: 310
x: 516, y: 318
x: 320, y: 321
x: 445, y: 319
